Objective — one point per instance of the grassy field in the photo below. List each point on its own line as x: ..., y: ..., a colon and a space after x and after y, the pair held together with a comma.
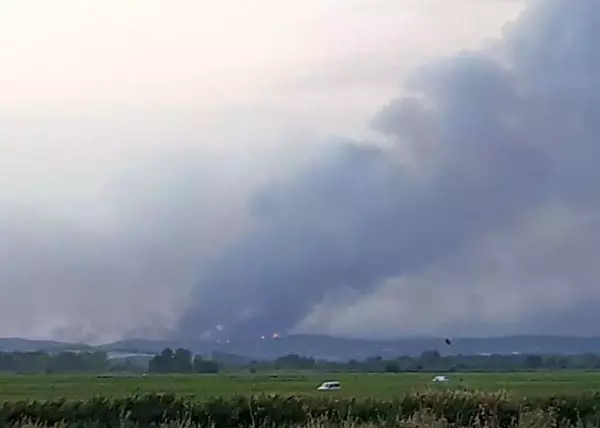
x: 378, y: 386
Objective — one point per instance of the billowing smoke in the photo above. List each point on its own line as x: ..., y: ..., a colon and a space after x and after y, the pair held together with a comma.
x: 480, y: 209
x: 475, y: 211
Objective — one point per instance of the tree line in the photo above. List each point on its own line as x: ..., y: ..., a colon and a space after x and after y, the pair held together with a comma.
x: 62, y: 362
x: 185, y: 361
x: 168, y: 361
x: 181, y: 361
x: 432, y: 361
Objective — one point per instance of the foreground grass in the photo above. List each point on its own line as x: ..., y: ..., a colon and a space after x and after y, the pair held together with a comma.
x: 431, y: 409
x: 374, y: 386
x: 425, y: 419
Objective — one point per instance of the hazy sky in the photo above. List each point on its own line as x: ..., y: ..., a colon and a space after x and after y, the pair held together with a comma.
x: 135, y: 136
x: 87, y: 84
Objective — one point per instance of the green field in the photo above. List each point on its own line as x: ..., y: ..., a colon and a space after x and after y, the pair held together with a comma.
x: 379, y: 386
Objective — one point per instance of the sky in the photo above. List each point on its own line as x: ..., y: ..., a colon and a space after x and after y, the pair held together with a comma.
x: 171, y: 167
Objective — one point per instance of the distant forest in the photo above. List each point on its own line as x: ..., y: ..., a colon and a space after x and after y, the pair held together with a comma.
x: 185, y: 361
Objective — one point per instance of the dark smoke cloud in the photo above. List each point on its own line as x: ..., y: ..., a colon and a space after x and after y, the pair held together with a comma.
x: 482, y: 143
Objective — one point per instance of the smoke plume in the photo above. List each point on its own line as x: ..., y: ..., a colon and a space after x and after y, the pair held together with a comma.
x: 478, y: 214
x: 156, y: 182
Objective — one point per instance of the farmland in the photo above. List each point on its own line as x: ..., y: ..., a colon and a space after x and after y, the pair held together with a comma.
x: 374, y: 386
x: 565, y: 399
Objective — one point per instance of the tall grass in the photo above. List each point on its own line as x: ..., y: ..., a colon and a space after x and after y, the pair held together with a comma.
x: 422, y: 419
x: 430, y: 409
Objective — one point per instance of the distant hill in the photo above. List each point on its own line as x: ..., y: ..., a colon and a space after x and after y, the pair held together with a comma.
x: 139, y: 346
x: 334, y: 348
x: 11, y: 344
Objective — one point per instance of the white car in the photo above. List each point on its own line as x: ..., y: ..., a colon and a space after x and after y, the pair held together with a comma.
x: 330, y: 386
x: 440, y: 379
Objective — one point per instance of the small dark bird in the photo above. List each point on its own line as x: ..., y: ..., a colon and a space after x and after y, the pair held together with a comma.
x: 448, y: 342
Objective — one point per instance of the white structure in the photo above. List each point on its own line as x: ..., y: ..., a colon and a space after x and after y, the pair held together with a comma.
x: 329, y: 386
x: 440, y: 379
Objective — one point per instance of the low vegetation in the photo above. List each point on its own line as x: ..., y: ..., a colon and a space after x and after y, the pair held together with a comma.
x: 432, y: 408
